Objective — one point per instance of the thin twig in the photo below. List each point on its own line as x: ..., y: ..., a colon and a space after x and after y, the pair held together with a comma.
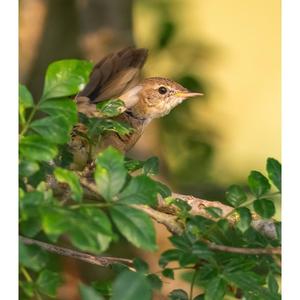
x: 103, y: 261
x: 240, y: 250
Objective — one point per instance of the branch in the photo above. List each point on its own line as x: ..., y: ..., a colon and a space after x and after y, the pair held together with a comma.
x: 167, y: 214
x: 103, y: 261
x: 251, y: 251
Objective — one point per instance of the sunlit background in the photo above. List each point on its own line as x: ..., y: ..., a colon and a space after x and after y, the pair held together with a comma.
x: 230, y: 50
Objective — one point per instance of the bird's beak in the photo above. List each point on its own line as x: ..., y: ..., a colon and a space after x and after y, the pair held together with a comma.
x: 188, y: 94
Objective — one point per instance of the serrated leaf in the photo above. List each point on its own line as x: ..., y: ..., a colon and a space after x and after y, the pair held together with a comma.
x: 258, y: 183
x: 169, y: 273
x: 112, y: 107
x: 36, y: 148
x: 151, y: 166
x: 215, y: 212
x: 135, y: 225
x: 32, y: 257
x: 274, y: 172
x: 88, y: 229
x: 215, y: 290
x: 163, y: 190
x: 249, y: 282
x: 168, y: 256
x: 140, y: 190
x: 98, y: 126
x: 110, y: 174
x: 69, y: 177
x: 48, y: 282
x: 264, y: 207
x: 131, y: 285
x: 245, y: 218
x: 88, y: 293
x: 55, y: 129
x: 60, y: 107
x: 235, y: 195
x: 66, y: 78
x: 178, y: 294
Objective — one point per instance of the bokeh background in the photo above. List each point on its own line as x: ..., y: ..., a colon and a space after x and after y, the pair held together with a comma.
x: 230, y: 50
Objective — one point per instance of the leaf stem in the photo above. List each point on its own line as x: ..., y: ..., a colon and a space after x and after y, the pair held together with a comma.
x: 192, y: 284
x: 27, y: 124
x: 76, y: 206
x: 26, y: 274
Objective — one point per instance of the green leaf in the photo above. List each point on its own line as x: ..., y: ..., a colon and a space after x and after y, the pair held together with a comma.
x: 103, y: 287
x: 135, y: 225
x: 66, y: 78
x: 98, y: 126
x: 215, y: 290
x: 34, y: 147
x: 140, y: 190
x: 258, y: 183
x: 32, y: 257
x: 168, y: 256
x: 25, y: 101
x: 274, y: 172
x: 245, y: 218
x: 154, y: 281
x: 264, y: 207
x: 178, y: 294
x: 272, y: 284
x: 28, y: 168
x: 69, y: 177
x: 140, y: 265
x: 169, y: 273
x: 249, y: 282
x: 48, y: 282
x: 235, y: 195
x: 131, y: 285
x: 60, y: 107
x: 181, y: 204
x: 54, y: 129
x: 88, y: 293
x: 111, y: 108
x: 151, y: 166
x: 25, y: 96
x: 110, y: 174
x: 215, y: 212
x: 163, y: 190
x: 88, y: 229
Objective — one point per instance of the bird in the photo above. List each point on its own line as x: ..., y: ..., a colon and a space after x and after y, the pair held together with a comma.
x: 118, y: 76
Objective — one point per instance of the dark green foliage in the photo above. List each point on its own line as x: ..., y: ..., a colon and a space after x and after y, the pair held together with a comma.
x: 274, y: 172
x: 123, y: 188
x: 178, y: 295
x: 111, y: 108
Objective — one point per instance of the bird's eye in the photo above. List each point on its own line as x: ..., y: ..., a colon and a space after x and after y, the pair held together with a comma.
x: 162, y: 90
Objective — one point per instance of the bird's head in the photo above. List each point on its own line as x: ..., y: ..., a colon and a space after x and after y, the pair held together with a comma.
x: 157, y: 96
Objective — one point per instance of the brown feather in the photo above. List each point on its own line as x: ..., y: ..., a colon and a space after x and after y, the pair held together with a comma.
x: 115, y: 74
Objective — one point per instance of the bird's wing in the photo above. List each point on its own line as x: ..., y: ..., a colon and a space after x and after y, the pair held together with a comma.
x: 115, y: 74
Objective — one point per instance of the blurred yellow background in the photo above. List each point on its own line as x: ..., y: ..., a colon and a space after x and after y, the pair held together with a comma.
x: 243, y: 72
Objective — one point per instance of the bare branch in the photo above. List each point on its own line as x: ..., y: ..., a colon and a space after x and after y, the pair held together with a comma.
x: 251, y: 251
x: 103, y: 261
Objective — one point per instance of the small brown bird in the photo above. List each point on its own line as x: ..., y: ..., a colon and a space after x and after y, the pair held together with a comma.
x: 118, y: 76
